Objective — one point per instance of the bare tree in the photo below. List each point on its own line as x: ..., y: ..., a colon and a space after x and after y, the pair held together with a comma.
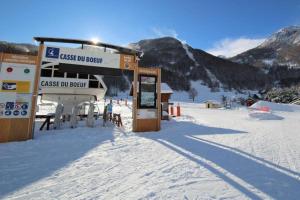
x: 193, y: 93
x: 224, y: 100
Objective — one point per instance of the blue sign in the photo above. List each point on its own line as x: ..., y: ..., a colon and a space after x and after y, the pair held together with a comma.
x: 8, y: 112
x: 10, y: 105
x: 16, y: 113
x: 52, y: 52
x: 23, y: 113
x: 25, y: 106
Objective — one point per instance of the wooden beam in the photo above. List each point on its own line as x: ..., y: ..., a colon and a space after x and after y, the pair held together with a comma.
x: 134, y: 99
x: 88, y: 42
x: 158, y: 98
x: 35, y: 91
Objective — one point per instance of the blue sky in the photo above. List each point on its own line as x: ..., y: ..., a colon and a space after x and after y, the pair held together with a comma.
x: 207, y: 25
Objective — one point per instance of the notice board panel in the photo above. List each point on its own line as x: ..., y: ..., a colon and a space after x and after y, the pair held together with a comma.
x: 18, y: 80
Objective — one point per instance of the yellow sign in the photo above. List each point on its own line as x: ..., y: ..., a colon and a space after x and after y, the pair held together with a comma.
x: 15, y: 86
x: 128, y: 62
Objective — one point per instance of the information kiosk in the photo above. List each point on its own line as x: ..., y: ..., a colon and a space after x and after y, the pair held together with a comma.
x: 19, y: 76
x: 146, y: 104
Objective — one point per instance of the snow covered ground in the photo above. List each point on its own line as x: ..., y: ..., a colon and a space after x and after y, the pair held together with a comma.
x: 204, y: 154
x: 205, y: 93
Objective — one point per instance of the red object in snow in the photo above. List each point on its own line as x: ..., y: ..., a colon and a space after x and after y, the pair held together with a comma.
x: 264, y: 108
x: 178, y: 110
x: 171, y: 110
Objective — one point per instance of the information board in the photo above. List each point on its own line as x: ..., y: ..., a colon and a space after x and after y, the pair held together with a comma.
x: 17, y: 75
x: 147, y: 93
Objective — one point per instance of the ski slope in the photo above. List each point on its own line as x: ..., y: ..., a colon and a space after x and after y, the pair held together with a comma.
x: 204, y: 154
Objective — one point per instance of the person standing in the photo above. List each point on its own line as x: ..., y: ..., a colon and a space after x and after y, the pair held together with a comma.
x: 109, y: 110
x: 104, y: 115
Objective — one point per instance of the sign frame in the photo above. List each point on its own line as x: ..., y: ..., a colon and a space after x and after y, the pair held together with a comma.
x: 146, y: 123
x: 18, y: 125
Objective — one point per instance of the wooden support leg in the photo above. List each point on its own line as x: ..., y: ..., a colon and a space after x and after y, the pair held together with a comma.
x: 48, y: 123
x: 44, y: 123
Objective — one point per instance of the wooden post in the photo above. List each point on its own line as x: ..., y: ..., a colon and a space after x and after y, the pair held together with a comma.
x: 35, y: 91
x: 158, y: 98
x: 134, y: 100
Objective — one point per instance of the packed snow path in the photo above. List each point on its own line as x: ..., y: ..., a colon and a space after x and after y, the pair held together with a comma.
x: 205, y: 154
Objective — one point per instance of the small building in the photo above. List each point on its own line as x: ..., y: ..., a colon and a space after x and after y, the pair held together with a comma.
x: 212, y: 104
x: 166, y: 93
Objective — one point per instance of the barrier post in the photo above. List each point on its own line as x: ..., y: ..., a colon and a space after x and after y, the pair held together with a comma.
x: 171, y: 110
x: 178, y: 110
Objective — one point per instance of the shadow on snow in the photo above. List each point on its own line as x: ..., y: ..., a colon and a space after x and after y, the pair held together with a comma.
x: 23, y: 163
x: 265, y: 176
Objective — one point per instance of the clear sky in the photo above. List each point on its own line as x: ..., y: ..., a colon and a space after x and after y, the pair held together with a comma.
x: 207, y: 25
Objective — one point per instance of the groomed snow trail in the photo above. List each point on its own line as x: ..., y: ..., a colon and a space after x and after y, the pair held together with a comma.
x: 205, y: 154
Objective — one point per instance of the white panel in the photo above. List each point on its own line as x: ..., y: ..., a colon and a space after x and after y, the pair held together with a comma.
x: 146, y: 114
x: 14, y: 105
x: 81, y: 57
x: 63, y: 82
x: 17, y: 73
x: 16, y: 89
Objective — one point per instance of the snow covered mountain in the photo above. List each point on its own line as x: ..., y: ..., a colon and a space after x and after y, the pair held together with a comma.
x: 181, y: 64
x: 281, y: 49
x: 278, y: 56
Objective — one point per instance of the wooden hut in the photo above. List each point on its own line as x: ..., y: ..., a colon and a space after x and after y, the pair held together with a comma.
x: 212, y: 104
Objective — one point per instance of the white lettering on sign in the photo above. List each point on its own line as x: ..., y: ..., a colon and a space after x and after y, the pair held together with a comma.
x: 63, y: 82
x: 81, y: 57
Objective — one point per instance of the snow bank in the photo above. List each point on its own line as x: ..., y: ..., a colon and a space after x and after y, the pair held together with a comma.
x: 276, y: 106
x: 261, y: 115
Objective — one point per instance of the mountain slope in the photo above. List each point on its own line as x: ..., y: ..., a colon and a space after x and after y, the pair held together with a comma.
x: 278, y: 56
x: 181, y: 63
x: 281, y: 49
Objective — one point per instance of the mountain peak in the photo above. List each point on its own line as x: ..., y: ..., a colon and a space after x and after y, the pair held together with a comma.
x: 281, y: 49
x: 289, y: 28
x: 159, y: 39
x: 285, y: 36
x: 156, y: 44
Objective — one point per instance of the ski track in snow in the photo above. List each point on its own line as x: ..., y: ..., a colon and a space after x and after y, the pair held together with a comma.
x: 204, y: 154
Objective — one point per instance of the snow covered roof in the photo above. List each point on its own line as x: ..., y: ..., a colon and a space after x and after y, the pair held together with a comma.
x: 165, y: 88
